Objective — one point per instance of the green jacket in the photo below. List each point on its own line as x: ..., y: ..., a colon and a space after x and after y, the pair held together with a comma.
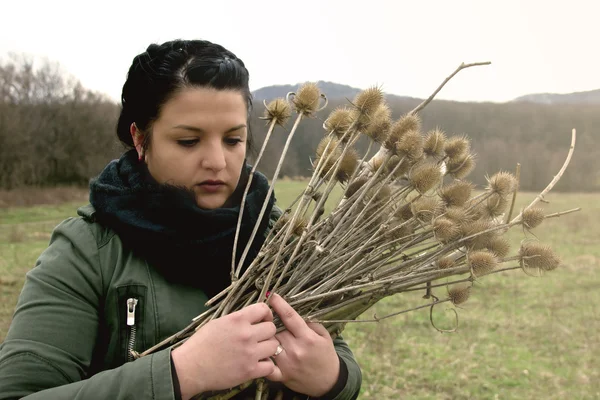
x: 70, y: 337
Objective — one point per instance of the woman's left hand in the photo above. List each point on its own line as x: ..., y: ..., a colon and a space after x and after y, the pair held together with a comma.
x: 308, y: 363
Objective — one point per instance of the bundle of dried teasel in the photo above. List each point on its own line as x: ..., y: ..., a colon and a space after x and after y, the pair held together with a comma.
x: 407, y: 220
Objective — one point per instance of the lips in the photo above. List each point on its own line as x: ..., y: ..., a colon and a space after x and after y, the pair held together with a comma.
x: 211, y: 186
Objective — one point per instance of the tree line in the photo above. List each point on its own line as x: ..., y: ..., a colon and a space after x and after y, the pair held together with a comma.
x: 53, y: 131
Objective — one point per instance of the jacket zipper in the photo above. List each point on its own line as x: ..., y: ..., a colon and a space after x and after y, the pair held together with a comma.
x: 131, y: 304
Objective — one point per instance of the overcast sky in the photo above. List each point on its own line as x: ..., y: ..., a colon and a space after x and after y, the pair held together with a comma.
x: 408, y: 47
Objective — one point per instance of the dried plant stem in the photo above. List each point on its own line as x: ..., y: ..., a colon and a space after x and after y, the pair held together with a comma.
x: 561, y: 213
x: 514, y: 197
x: 269, y: 192
x: 234, y: 273
x: 430, y: 98
x: 556, y: 177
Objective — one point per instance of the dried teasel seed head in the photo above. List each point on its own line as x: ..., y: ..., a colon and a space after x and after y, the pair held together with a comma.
x: 347, y: 165
x: 425, y: 177
x: 399, y: 230
x: 461, y: 167
x: 456, y: 193
x: 368, y: 100
x: 339, y: 121
x: 434, y: 143
x: 445, y: 230
x: 538, y: 256
x: 406, y: 123
x: 355, y: 185
x: 398, y: 170
x: 457, y: 214
x: 382, y: 193
x: 379, y: 126
x: 329, y: 148
x: 404, y: 213
x: 410, y: 145
x: 457, y: 147
x: 502, y: 183
x: 480, y: 229
x: 307, y: 99
x: 278, y: 110
x: 499, y: 246
x: 533, y: 217
x: 459, y: 294
x: 445, y: 263
x: 482, y: 262
x: 427, y: 208
x: 494, y: 206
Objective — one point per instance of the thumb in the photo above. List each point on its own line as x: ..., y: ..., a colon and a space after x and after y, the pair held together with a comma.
x: 319, y: 329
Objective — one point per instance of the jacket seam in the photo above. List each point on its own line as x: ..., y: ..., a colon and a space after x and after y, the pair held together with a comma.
x: 98, y: 247
x: 40, y: 358
x: 152, y: 377
x: 155, y: 304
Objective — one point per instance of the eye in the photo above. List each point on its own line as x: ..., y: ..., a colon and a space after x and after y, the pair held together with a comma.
x: 187, y: 142
x: 232, y: 141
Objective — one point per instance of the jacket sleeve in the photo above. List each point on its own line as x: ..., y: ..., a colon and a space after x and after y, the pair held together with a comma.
x: 351, y: 389
x: 48, y: 349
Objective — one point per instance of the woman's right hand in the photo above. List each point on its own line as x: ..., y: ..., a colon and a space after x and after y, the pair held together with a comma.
x: 227, y: 351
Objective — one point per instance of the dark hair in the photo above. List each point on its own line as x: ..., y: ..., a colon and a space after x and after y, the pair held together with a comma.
x: 158, y: 73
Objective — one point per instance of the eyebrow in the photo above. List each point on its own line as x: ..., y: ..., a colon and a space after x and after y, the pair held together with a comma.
x: 199, y: 130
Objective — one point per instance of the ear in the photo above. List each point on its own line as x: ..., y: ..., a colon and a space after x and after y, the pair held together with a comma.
x: 138, y: 139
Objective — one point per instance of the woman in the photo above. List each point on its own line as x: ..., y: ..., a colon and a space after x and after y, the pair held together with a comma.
x: 153, y: 246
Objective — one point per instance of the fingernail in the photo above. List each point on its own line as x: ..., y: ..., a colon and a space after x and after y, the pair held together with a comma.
x: 268, y: 294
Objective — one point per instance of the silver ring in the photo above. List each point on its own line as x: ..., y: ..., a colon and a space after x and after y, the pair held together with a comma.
x: 278, y: 351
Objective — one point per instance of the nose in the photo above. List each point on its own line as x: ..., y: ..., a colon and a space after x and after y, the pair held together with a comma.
x: 213, y: 157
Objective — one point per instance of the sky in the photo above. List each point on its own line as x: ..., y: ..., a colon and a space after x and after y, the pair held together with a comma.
x: 406, y: 47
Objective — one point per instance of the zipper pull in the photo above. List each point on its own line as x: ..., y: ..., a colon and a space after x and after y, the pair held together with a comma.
x: 131, y: 303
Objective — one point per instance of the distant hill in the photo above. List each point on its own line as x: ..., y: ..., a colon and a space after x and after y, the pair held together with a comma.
x: 588, y: 97
x: 332, y: 90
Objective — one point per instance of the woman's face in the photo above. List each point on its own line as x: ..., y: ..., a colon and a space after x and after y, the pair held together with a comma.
x: 199, y: 141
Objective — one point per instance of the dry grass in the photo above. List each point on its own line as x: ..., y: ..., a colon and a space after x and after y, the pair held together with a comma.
x: 519, y: 337
x: 31, y: 196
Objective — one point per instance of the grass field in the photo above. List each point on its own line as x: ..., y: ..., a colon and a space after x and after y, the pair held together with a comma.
x: 519, y: 337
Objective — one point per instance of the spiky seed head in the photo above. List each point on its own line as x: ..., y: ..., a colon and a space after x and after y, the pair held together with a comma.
x: 494, y: 206
x: 339, y: 121
x: 460, y: 168
x: 425, y: 177
x: 479, y: 229
x: 459, y: 294
x: 502, y: 183
x: 299, y: 226
x: 377, y: 162
x: 445, y: 263
x: 401, y: 170
x: 482, y: 262
x: 380, y: 124
x: 456, y: 193
x: 538, y: 256
x: 427, y: 208
x: 347, y: 165
x: 368, y: 100
x: 381, y: 193
x: 399, y: 230
x: 456, y: 214
x: 404, y: 212
x: 405, y: 124
x: 533, y: 217
x: 278, y: 110
x: 457, y: 147
x: 445, y: 230
x: 355, y: 185
x: 307, y: 99
x: 410, y: 145
x: 434, y: 143
x: 499, y: 246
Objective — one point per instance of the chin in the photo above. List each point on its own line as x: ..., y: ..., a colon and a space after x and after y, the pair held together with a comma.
x: 210, y: 203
